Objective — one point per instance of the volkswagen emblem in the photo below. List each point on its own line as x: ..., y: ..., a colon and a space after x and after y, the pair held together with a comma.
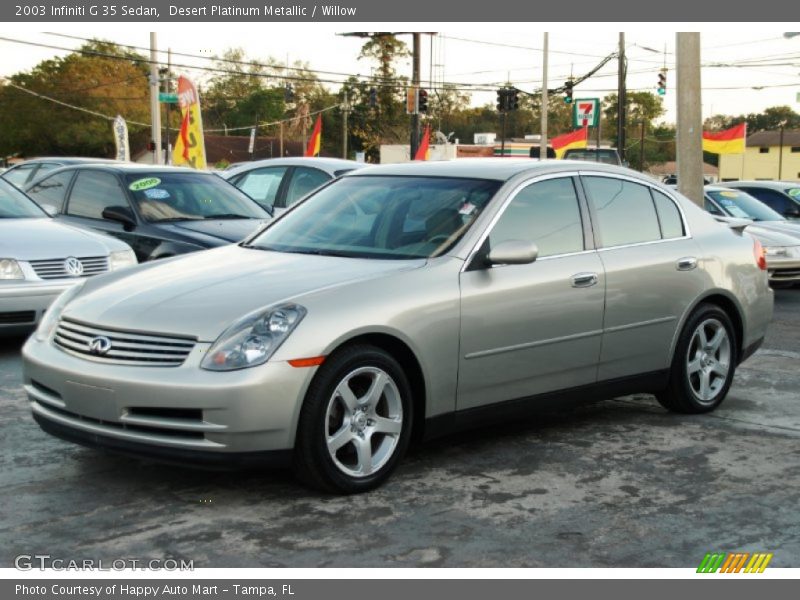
x: 73, y: 266
x: 100, y: 345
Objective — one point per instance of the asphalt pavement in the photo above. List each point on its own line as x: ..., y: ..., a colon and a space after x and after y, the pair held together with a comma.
x: 620, y: 483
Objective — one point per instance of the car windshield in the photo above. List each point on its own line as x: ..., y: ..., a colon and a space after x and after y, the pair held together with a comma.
x: 164, y: 196
x: 743, y: 206
x: 794, y: 192
x: 381, y: 217
x: 16, y: 205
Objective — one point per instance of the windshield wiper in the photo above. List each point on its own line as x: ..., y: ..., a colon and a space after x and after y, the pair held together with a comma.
x: 173, y: 219
x: 226, y: 216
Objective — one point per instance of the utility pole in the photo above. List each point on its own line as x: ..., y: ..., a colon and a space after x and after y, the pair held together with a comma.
x: 622, y: 100
x: 345, y: 109
x: 780, y: 152
x: 415, y: 76
x: 690, y: 121
x: 543, y: 137
x: 169, y: 104
x: 155, y: 109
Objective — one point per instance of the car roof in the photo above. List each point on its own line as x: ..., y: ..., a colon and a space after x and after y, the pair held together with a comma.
x: 330, y: 165
x: 66, y: 160
x: 773, y: 185
x: 124, y: 167
x: 500, y: 169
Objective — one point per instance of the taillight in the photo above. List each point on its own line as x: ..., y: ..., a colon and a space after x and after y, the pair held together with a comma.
x: 760, y: 255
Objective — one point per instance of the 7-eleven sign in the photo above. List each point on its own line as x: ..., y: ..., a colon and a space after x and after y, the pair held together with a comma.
x: 586, y: 112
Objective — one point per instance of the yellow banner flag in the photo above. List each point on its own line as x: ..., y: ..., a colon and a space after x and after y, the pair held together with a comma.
x: 190, y: 148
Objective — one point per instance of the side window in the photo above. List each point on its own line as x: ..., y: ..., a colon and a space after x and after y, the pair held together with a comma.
x: 51, y: 190
x: 19, y: 175
x: 304, y: 181
x: 547, y: 213
x: 261, y: 184
x: 625, y: 211
x: 774, y: 200
x: 45, y: 168
x: 93, y: 192
x: 668, y: 216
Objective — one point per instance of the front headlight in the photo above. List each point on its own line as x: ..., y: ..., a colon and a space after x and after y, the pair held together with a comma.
x: 10, y: 269
x: 122, y: 259
x: 53, y: 313
x: 776, y: 250
x: 251, y: 340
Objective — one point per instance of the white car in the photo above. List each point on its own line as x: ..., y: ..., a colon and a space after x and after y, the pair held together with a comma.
x: 40, y: 258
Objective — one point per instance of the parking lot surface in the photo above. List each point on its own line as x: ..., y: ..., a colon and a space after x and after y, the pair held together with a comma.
x: 620, y: 483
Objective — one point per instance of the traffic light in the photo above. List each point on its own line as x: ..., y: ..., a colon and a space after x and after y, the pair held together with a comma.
x: 502, y: 100
x: 513, y: 99
x: 373, y: 97
x: 288, y: 93
x: 422, y: 101
x: 662, y: 82
x: 568, y: 92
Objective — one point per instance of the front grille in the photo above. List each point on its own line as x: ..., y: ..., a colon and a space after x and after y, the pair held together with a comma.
x: 16, y: 318
x: 124, y: 347
x: 56, y: 268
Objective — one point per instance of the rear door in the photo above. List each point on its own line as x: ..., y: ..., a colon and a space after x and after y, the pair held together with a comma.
x: 650, y: 262
x: 535, y: 328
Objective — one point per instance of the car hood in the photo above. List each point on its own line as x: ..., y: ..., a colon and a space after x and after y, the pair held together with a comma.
x: 38, y: 239
x: 777, y: 235
x: 202, y: 293
x: 228, y: 230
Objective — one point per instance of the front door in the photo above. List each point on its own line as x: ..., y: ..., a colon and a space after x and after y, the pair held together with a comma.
x: 534, y: 328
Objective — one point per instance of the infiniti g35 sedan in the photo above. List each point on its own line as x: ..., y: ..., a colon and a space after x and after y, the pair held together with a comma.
x: 40, y: 258
x: 399, y: 303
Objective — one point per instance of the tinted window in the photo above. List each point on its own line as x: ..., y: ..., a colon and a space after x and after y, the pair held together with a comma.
x: 710, y: 207
x: 45, y: 168
x: 546, y: 213
x: 668, y: 216
x: 16, y: 205
x: 51, y: 190
x: 625, y: 211
x: 93, y: 192
x: 775, y: 200
x: 19, y: 175
x: 261, y: 184
x: 381, y: 217
x: 304, y: 181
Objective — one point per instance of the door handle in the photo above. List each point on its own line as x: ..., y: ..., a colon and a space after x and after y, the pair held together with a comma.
x: 687, y: 263
x: 584, y: 280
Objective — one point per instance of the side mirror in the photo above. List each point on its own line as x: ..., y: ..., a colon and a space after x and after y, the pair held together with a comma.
x: 513, y: 252
x: 120, y: 214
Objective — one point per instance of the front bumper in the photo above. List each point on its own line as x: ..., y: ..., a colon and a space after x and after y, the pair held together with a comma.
x: 783, y: 269
x: 182, y: 412
x: 23, y: 304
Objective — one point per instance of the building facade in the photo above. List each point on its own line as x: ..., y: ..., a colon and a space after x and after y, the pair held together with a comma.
x: 764, y: 158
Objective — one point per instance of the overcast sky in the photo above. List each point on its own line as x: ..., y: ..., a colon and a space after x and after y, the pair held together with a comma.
x: 486, y: 54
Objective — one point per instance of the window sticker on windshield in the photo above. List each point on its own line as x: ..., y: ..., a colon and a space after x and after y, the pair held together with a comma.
x: 725, y: 202
x: 144, y: 184
x: 467, y: 208
x: 794, y: 192
x: 156, y: 194
x: 729, y: 194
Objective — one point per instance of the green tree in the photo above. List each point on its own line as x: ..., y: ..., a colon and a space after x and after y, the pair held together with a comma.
x: 101, y: 77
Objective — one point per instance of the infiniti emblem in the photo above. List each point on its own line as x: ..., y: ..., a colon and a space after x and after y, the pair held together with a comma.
x: 100, y: 345
x: 73, y: 266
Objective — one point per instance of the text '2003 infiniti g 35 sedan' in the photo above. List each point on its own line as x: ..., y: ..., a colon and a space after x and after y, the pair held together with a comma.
x: 400, y: 302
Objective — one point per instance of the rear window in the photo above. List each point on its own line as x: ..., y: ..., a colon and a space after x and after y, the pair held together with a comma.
x: 609, y: 157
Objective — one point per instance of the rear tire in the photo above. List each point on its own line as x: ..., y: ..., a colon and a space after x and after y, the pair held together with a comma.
x: 704, y: 363
x: 355, y: 424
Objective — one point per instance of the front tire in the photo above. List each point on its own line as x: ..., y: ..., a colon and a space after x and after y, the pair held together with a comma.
x: 704, y: 363
x: 355, y: 424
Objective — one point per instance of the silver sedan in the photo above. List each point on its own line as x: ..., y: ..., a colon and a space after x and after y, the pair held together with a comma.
x: 399, y: 303
x: 40, y: 258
